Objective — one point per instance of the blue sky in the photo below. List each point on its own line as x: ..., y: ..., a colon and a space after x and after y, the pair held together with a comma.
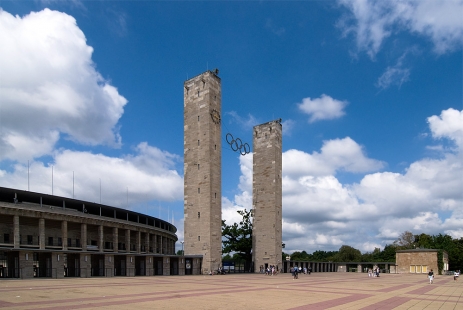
x: 369, y: 92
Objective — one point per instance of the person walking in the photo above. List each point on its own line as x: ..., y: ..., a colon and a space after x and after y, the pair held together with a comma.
x: 431, y: 276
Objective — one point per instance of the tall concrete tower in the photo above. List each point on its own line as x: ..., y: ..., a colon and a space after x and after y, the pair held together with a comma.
x: 202, y: 168
x: 267, y: 195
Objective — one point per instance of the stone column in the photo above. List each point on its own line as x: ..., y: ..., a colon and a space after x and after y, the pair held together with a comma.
x: 83, y: 237
x: 115, y: 239
x: 42, y: 234
x: 57, y: 263
x: 359, y: 268
x: 161, y: 245
x: 109, y: 265
x: 16, y: 232
x: 166, y: 266
x: 130, y: 266
x: 64, y: 234
x: 147, y: 242
x: 138, y: 249
x: 127, y: 240
x: 85, y: 262
x: 100, y: 238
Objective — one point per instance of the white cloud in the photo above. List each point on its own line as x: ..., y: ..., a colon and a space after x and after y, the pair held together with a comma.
x: 322, y: 213
x: 338, y: 154
x: 49, y: 87
x: 322, y: 108
x: 448, y: 125
x: 148, y: 175
x: 373, y: 21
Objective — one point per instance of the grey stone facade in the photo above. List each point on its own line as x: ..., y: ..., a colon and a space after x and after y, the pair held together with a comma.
x: 202, y: 169
x: 47, y: 239
x: 267, y: 195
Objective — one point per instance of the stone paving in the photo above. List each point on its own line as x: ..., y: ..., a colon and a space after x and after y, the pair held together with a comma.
x: 240, y: 291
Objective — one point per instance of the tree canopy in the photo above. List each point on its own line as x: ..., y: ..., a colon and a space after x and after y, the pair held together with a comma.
x: 237, y: 238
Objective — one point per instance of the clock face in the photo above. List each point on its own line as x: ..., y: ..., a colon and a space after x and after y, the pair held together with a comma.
x: 215, y: 116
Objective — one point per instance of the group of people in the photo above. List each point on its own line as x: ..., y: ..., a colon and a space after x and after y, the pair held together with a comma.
x: 373, y: 272
x: 295, y: 271
x: 271, y: 270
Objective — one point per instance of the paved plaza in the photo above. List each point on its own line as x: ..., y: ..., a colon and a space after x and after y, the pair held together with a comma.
x: 240, y: 291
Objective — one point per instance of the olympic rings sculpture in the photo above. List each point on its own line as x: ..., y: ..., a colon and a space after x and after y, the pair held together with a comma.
x: 238, y: 145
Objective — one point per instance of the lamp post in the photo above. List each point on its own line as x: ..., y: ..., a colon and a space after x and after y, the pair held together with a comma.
x: 183, y: 253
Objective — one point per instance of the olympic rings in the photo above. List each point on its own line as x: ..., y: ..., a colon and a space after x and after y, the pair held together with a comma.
x: 237, y: 145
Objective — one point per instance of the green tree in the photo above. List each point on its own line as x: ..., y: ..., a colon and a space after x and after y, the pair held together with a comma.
x: 424, y: 241
x: 388, y: 254
x: 348, y: 254
x: 300, y: 256
x: 238, y: 237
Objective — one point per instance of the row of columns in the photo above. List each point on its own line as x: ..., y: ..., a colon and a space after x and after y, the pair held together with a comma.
x: 164, y: 242
x: 316, y: 266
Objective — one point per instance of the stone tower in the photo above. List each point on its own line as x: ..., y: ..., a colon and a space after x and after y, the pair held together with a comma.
x: 202, y: 169
x: 267, y: 195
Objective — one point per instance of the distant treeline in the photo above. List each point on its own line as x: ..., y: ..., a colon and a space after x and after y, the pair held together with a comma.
x: 454, y: 248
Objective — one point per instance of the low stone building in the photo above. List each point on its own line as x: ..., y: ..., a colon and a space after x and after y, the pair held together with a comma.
x: 420, y: 261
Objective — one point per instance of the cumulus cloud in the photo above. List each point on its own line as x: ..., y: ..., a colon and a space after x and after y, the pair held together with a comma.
x: 372, y: 21
x: 49, y: 87
x: 148, y: 175
x: 322, y: 213
x: 335, y: 155
x: 448, y: 125
x: 242, y: 200
x: 322, y: 108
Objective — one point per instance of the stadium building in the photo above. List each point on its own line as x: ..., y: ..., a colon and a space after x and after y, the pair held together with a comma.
x: 49, y: 236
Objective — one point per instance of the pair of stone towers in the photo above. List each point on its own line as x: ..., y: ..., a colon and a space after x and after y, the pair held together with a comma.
x: 202, y: 179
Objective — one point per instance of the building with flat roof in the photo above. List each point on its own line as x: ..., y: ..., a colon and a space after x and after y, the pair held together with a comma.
x: 421, y: 261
